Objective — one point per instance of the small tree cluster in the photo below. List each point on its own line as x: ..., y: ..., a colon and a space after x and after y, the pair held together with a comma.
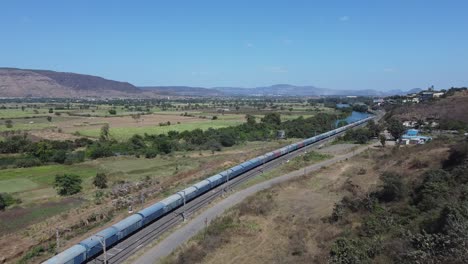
x: 67, y: 184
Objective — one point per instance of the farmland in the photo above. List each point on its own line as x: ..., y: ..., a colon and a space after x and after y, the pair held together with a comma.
x: 134, y: 177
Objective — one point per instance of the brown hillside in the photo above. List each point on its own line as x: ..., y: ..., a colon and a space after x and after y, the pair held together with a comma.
x: 451, y: 108
x: 21, y: 83
x: 41, y: 83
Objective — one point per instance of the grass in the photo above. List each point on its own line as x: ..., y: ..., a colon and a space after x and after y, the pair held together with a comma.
x: 42, y: 175
x: 17, y: 185
x: 124, y: 133
x: 26, y: 127
x: 18, y: 113
x: 25, y: 217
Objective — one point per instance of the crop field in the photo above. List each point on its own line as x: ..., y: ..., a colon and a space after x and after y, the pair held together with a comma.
x: 18, y: 113
x: 28, y: 179
x: 123, y: 133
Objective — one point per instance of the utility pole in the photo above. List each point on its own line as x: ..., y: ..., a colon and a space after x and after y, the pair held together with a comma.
x: 103, y: 243
x: 57, y: 246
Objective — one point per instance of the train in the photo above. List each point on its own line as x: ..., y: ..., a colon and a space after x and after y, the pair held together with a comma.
x: 93, y: 245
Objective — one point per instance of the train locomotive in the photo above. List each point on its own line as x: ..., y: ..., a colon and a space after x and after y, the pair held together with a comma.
x: 93, y: 245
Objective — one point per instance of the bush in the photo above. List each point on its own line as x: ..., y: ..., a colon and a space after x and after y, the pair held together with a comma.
x: 2, y: 203
x: 99, y: 150
x: 350, y: 251
x: 27, y: 162
x: 7, y: 199
x: 100, y: 180
x: 393, y: 188
x: 75, y: 157
x: 151, y: 153
x: 67, y: 184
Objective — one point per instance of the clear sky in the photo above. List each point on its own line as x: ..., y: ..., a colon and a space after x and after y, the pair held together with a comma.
x: 345, y: 44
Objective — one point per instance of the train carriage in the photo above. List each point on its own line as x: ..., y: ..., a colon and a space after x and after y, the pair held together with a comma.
x: 202, y: 186
x: 188, y: 193
x: 172, y: 202
x: 73, y: 255
x: 93, y: 244
x: 215, y: 180
x: 128, y: 225
x: 236, y: 170
x: 152, y: 212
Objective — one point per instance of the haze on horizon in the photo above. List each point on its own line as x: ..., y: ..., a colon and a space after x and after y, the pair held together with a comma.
x: 332, y: 44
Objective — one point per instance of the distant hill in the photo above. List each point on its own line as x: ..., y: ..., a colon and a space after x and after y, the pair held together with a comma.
x: 292, y: 90
x: 183, y: 91
x: 43, y: 83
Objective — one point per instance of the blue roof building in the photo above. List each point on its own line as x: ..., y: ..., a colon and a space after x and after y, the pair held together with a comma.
x: 412, y: 132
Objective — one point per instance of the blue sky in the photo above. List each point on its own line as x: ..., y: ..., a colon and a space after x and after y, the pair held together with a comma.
x: 331, y: 44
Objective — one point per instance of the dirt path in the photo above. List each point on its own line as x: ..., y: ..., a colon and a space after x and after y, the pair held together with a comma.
x: 183, y: 234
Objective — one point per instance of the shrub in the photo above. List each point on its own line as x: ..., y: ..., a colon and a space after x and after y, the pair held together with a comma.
x: 27, y: 162
x: 74, y: 157
x: 2, y: 203
x: 350, y: 251
x: 67, y: 184
x: 393, y: 188
x: 100, y: 180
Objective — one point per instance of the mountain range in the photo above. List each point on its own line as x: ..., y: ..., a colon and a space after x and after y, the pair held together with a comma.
x: 44, y: 83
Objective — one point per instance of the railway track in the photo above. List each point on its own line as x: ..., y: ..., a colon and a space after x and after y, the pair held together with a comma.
x: 126, y: 248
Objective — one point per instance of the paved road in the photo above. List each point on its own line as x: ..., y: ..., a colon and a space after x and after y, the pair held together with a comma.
x: 183, y: 234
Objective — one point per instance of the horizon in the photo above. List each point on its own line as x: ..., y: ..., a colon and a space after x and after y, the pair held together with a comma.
x: 396, y: 45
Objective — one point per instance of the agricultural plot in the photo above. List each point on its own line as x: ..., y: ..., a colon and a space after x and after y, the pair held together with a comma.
x: 123, y: 133
x: 28, y: 179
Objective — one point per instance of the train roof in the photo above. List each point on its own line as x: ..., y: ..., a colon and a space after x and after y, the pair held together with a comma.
x: 67, y: 255
x: 127, y: 222
x: 171, y: 199
x: 151, y: 209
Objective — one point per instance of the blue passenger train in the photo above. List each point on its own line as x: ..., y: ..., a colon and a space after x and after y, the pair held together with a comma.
x: 92, y: 246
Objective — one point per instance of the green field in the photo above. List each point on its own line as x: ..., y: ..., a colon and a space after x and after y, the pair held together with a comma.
x: 26, y: 127
x: 17, y: 185
x: 18, y: 113
x: 42, y: 175
x: 127, y: 132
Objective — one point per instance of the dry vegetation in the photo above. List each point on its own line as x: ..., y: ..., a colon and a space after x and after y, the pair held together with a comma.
x: 292, y: 222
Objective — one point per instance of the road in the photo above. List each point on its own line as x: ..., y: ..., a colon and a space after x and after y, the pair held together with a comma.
x: 183, y: 234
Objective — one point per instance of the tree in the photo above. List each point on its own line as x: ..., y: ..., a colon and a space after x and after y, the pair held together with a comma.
x: 136, y: 117
x: 112, y: 112
x: 8, y: 123
x: 382, y: 139
x: 341, y: 123
x: 51, y: 110
x: 2, y: 203
x: 49, y: 118
x: 393, y: 188
x: 105, y: 134
x: 374, y: 128
x: 272, y: 118
x: 395, y: 128
x: 67, y: 184
x: 100, y: 180
x: 250, y: 119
